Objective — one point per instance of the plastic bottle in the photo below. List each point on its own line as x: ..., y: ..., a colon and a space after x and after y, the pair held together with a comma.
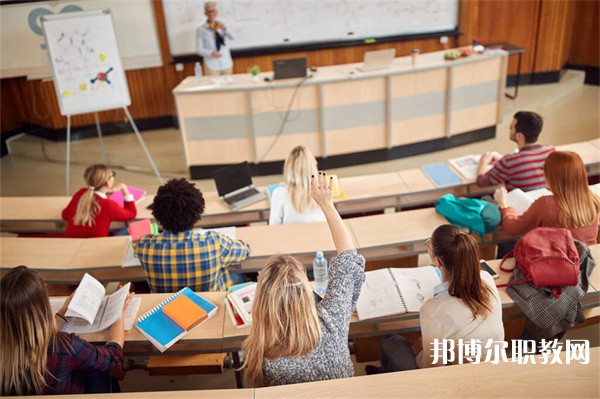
x: 320, y: 273
x: 198, y: 72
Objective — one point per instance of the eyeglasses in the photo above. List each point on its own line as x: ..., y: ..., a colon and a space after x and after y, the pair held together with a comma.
x: 427, y: 243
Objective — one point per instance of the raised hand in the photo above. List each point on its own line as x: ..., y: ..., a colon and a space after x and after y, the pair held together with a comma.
x: 321, y: 189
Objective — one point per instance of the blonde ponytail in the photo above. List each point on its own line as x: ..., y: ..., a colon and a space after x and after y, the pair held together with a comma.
x: 298, y: 167
x: 88, y: 207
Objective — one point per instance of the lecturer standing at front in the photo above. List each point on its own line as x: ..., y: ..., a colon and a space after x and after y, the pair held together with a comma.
x: 212, y: 43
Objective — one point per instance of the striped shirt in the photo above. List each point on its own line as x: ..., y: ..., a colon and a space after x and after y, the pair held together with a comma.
x: 523, y: 169
x: 189, y: 259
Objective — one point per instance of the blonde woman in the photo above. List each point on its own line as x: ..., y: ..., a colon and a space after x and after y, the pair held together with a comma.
x: 292, y: 203
x: 293, y: 340
x: 38, y: 359
x: 572, y: 205
x: 90, y: 212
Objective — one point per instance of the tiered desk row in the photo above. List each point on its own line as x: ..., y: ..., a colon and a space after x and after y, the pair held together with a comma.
x: 219, y: 334
x: 467, y: 381
x: 383, y: 236
x: 367, y: 193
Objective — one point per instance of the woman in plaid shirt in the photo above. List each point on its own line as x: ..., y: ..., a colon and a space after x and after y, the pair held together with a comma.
x: 36, y: 357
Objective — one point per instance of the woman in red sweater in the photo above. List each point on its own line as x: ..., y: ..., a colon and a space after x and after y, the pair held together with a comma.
x: 572, y: 205
x: 90, y: 212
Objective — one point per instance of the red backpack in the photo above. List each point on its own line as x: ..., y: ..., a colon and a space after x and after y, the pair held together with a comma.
x: 547, y: 257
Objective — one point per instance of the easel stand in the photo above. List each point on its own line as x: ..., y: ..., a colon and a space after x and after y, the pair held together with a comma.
x: 103, y: 149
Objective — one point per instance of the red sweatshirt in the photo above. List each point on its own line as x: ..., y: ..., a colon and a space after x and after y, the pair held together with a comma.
x: 110, y: 211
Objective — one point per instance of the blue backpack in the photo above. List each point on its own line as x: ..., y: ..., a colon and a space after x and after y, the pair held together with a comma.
x: 474, y: 214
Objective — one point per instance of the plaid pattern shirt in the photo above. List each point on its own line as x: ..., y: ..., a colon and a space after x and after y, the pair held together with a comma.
x: 72, y: 357
x: 199, y: 261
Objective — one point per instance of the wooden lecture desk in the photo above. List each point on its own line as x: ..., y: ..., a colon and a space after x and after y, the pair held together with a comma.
x: 385, y: 236
x: 219, y: 335
x: 366, y: 193
x: 484, y: 380
x: 341, y: 114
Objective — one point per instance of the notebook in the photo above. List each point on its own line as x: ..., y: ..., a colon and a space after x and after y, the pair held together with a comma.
x: 378, y: 59
x: 441, y: 174
x: 185, y: 312
x: 142, y: 228
x: 235, y: 188
x: 289, y: 68
x: 137, y: 193
x: 394, y: 291
x: 161, y: 330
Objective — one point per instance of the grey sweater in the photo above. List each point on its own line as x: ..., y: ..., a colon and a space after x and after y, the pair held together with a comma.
x: 331, y: 357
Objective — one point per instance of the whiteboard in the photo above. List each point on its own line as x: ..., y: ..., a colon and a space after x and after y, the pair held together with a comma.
x: 276, y: 23
x: 87, y: 70
x: 23, y: 48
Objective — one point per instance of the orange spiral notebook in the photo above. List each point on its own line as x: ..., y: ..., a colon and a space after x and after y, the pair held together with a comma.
x: 183, y: 311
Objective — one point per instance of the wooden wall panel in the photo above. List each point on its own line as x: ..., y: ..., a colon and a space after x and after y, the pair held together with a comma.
x: 554, y: 36
x: 13, y: 109
x: 468, y: 19
x: 585, y: 43
x: 513, y: 21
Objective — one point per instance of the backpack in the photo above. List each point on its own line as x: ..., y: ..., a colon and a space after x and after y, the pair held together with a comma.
x: 547, y: 257
x: 475, y: 214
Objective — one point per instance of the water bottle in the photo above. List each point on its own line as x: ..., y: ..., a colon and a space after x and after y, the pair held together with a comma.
x: 198, y: 72
x: 320, y: 273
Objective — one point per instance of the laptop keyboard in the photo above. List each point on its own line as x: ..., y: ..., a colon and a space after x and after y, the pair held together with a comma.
x: 240, y: 196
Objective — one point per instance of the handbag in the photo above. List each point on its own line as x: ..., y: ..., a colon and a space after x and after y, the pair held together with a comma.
x: 547, y: 257
x: 475, y: 214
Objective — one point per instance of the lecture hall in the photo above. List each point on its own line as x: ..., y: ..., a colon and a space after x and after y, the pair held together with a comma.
x: 293, y: 199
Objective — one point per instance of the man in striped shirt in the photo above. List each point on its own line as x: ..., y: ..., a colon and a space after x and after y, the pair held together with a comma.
x: 523, y: 169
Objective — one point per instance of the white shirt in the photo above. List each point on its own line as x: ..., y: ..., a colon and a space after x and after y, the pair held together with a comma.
x: 283, y: 211
x: 206, y: 46
x: 448, y: 317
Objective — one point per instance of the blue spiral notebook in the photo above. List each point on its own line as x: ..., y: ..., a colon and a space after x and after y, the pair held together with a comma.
x: 160, y: 329
x: 441, y: 174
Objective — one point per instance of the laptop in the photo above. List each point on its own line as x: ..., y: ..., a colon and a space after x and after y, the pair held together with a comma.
x: 235, y: 188
x: 289, y: 68
x: 379, y: 59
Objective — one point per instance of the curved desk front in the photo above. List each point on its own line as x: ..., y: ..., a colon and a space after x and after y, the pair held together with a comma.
x: 344, y: 116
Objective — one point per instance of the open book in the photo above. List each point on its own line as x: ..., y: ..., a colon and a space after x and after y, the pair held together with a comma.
x: 521, y: 201
x: 398, y: 290
x: 91, y: 311
x: 469, y: 164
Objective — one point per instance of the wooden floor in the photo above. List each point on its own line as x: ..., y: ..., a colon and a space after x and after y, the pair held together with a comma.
x: 36, y: 167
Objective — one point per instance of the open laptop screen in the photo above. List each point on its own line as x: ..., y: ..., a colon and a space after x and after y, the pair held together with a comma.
x: 232, y: 178
x: 289, y: 68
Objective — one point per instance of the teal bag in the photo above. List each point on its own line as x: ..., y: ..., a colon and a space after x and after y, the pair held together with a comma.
x: 474, y: 214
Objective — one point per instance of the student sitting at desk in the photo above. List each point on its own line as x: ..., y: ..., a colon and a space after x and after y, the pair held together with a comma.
x: 90, y: 212
x: 465, y: 305
x: 572, y: 205
x: 36, y: 357
x: 292, y: 340
x: 522, y: 169
x: 292, y: 203
x: 180, y: 257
